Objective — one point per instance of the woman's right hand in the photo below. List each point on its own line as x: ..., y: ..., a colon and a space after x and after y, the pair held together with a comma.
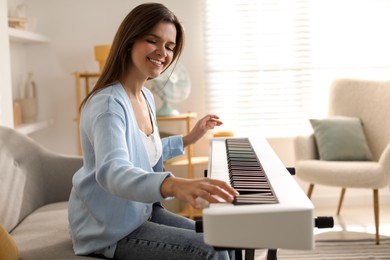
x: 189, y: 190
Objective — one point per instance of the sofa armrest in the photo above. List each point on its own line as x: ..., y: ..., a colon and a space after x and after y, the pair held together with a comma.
x: 58, y: 171
x: 305, y: 148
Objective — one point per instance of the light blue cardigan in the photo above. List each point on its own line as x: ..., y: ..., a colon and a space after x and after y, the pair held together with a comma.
x: 114, y: 191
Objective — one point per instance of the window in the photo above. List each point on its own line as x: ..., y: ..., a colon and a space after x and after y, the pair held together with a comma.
x: 269, y: 63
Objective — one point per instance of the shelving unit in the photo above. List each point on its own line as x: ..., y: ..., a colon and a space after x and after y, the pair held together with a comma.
x: 17, y: 36
x: 23, y: 36
x: 189, y: 159
x: 28, y: 37
x: 21, y: 39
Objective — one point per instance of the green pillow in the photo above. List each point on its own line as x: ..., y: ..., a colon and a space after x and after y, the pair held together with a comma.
x: 341, y: 139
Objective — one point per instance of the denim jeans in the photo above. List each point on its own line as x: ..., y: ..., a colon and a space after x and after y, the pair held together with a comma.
x: 167, y: 236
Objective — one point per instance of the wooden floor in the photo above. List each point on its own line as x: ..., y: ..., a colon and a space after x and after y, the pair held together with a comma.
x: 354, y: 222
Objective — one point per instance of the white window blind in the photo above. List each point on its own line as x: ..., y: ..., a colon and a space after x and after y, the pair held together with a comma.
x: 269, y: 63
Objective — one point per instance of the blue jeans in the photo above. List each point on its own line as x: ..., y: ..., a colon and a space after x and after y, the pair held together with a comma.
x: 167, y: 236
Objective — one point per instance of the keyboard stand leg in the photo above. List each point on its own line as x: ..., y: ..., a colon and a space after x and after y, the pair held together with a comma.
x: 238, y: 254
x: 249, y: 254
x: 271, y: 254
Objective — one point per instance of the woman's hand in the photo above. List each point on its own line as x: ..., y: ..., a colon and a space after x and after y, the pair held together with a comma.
x: 201, y: 127
x: 189, y: 190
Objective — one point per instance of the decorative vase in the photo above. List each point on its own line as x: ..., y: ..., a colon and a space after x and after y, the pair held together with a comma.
x: 29, y: 108
x: 17, y: 113
x: 29, y: 103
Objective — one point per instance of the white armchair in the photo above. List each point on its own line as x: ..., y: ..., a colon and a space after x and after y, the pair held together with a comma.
x: 369, y: 101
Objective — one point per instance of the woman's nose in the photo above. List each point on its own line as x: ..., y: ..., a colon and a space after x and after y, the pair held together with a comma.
x: 161, y: 51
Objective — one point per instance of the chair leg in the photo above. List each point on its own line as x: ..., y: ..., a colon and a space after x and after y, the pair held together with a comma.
x: 376, y: 215
x: 310, y: 190
x: 341, y: 201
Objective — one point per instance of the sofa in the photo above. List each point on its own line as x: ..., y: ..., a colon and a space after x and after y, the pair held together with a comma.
x: 34, y: 188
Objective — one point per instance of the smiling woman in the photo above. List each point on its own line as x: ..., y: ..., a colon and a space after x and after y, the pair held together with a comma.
x: 114, y: 206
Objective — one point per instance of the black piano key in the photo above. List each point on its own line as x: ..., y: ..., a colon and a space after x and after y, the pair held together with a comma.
x: 246, y: 173
x: 249, y: 178
x: 245, y: 167
x: 245, y: 191
x: 245, y: 164
x: 250, y: 184
x: 242, y: 159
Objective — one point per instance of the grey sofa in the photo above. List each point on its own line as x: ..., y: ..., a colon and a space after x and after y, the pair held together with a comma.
x: 34, y: 188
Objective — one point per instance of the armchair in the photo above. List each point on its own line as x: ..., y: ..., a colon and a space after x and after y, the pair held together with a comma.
x: 370, y: 102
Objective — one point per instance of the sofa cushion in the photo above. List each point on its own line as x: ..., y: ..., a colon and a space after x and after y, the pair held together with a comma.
x: 8, y: 248
x: 341, y: 139
x: 44, y: 234
x: 355, y: 174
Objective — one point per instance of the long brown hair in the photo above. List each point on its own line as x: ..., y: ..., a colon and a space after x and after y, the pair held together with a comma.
x: 138, y: 23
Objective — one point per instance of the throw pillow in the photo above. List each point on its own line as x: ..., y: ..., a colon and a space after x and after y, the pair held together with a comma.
x: 8, y: 248
x: 341, y: 139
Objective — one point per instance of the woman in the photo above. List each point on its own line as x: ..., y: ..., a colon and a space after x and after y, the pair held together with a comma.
x: 114, y: 208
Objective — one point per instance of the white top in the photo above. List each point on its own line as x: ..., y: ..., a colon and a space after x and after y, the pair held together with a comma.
x: 153, y: 146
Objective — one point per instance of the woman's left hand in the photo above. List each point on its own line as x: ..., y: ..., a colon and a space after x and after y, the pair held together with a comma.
x: 201, y: 127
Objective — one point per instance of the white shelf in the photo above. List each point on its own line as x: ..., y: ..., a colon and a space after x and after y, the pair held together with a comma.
x: 23, y: 36
x: 34, y: 127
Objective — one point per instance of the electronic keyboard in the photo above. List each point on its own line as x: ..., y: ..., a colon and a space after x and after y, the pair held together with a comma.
x: 272, y: 211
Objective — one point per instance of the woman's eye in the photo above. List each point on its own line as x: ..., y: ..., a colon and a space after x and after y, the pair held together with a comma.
x: 151, y: 41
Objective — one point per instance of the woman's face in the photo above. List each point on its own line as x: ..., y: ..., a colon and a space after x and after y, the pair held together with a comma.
x: 154, y: 52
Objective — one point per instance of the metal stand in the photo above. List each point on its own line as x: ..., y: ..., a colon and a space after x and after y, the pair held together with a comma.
x: 272, y: 254
x: 250, y: 254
